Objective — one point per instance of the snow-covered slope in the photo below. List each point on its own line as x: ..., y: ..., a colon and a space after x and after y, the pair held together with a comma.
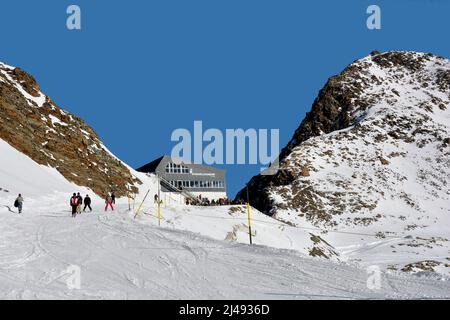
x: 120, y: 258
x: 125, y: 258
x: 47, y: 154
x: 370, y: 164
x: 33, y: 124
x: 43, y: 187
x: 230, y: 223
x: 46, y: 190
x: 20, y: 174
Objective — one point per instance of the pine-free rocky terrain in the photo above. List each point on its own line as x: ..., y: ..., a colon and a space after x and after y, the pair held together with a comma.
x: 372, y: 158
x: 33, y: 124
x: 363, y: 183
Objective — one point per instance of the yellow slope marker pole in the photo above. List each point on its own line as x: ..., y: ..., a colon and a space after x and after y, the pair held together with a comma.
x: 159, y: 201
x: 129, y: 201
x: 139, y: 209
x: 249, y: 219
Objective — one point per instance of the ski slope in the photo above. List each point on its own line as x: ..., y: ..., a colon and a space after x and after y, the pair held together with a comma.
x: 196, y: 253
x: 45, y: 190
x: 121, y: 258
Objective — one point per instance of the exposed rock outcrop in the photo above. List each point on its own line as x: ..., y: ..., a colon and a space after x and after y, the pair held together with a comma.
x: 395, y: 102
x: 33, y: 124
x: 369, y: 166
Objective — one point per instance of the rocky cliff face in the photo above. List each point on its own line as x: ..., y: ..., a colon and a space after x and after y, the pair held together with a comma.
x: 372, y: 159
x: 33, y: 124
x: 381, y: 112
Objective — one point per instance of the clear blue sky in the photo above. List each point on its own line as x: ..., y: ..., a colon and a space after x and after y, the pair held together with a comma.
x: 140, y: 69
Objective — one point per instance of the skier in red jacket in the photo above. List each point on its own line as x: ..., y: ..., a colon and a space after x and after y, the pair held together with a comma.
x: 109, y: 202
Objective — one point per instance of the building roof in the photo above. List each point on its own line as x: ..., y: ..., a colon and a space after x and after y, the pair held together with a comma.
x: 152, y: 166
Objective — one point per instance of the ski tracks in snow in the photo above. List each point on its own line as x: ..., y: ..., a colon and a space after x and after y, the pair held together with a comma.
x: 120, y: 258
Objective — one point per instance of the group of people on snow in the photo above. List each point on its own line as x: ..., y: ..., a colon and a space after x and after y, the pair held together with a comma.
x: 77, y: 201
x: 201, y: 201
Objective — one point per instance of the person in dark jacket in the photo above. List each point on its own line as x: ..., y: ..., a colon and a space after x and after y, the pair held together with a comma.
x: 113, y: 197
x: 74, y: 204
x: 80, y: 203
x: 87, y: 203
x: 19, y: 203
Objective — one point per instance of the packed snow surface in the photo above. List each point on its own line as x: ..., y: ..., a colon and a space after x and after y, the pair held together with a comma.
x: 120, y: 258
x: 187, y: 257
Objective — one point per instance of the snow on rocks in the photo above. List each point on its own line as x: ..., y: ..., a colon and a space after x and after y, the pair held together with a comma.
x: 375, y: 151
x: 34, y: 125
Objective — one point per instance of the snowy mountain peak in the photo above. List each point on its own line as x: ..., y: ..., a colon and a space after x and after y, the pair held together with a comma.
x: 349, y: 97
x: 372, y: 156
x: 34, y: 125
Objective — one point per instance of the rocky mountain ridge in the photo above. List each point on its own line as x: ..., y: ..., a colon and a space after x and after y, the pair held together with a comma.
x: 345, y: 104
x: 33, y: 124
x: 371, y: 158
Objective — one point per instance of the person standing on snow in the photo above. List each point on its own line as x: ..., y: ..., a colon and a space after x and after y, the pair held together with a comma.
x: 113, y: 197
x: 109, y: 202
x: 79, y: 203
x: 74, y: 205
x: 19, y: 203
x: 87, y: 203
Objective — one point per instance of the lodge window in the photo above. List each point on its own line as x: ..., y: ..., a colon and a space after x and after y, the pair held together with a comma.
x: 177, y: 168
x: 197, y: 184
